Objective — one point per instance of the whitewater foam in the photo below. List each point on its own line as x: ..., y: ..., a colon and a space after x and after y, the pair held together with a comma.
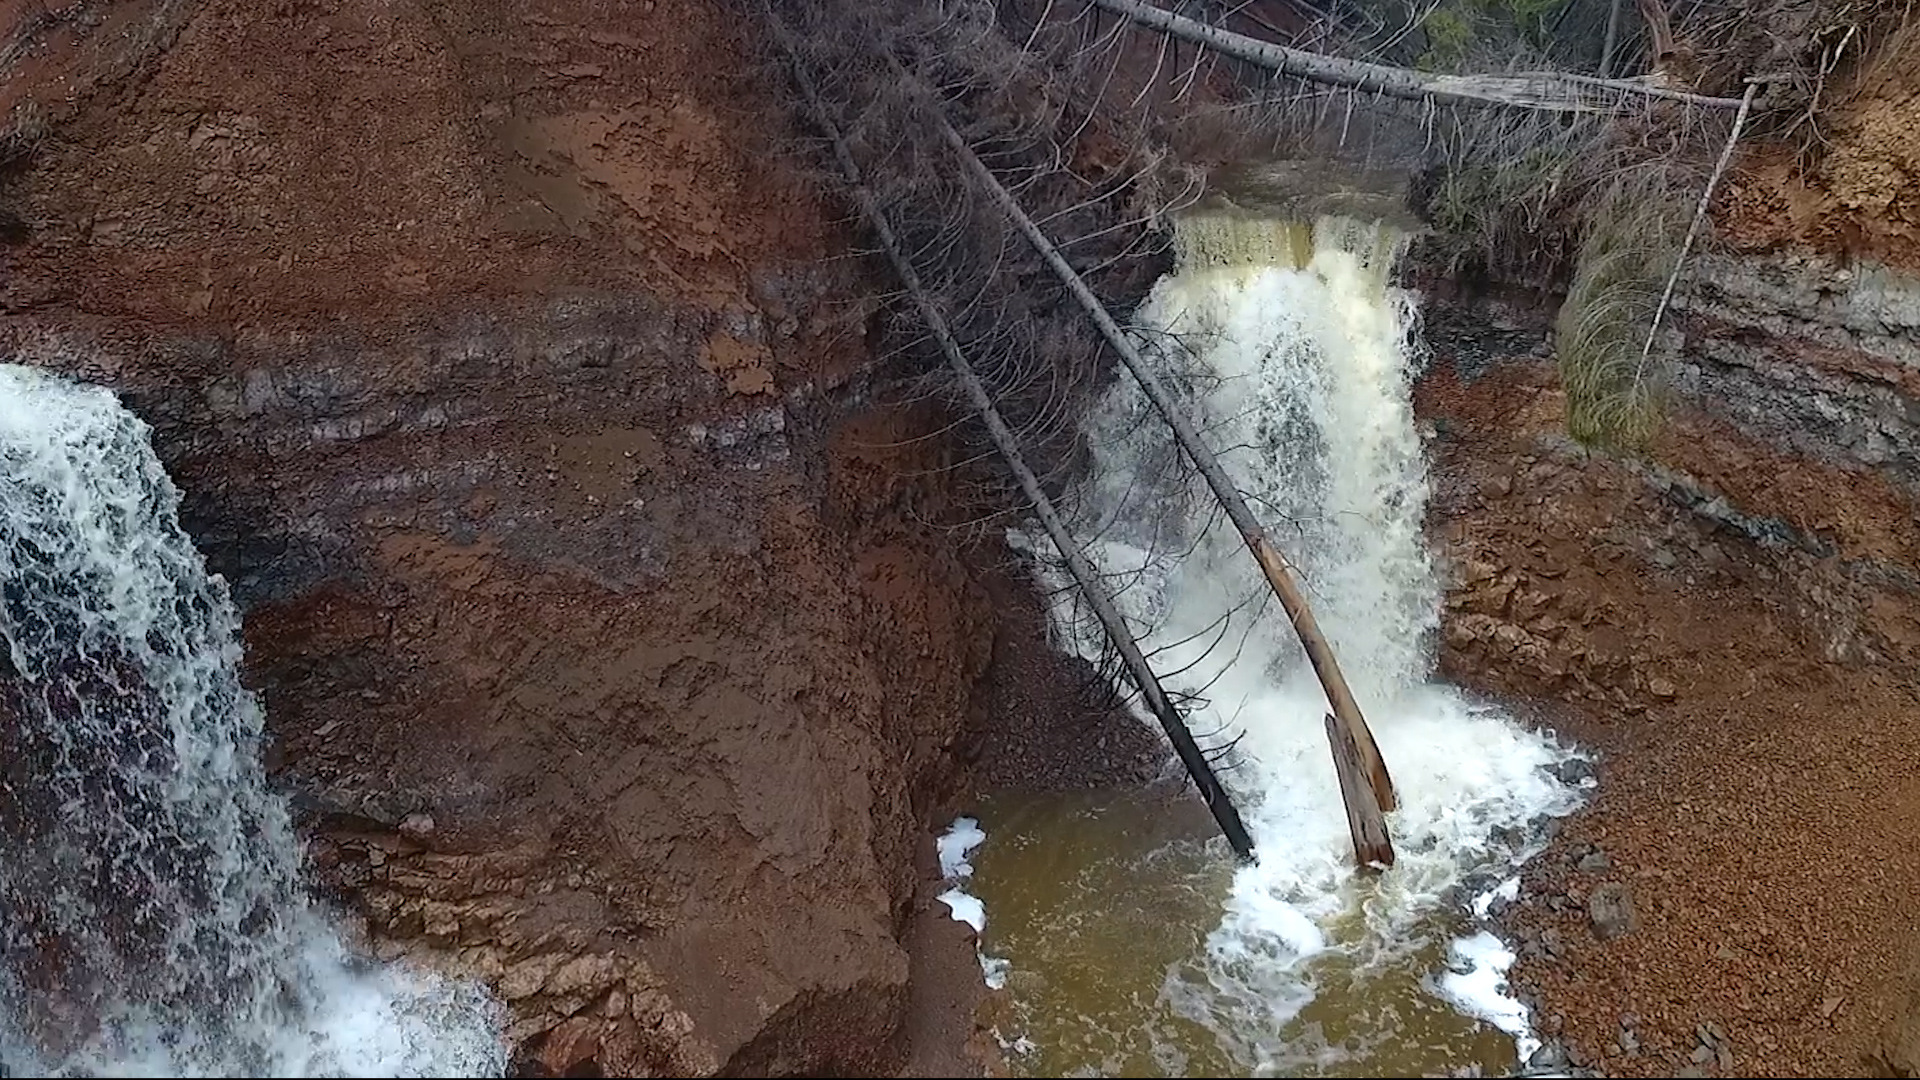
x: 1476, y: 984
x: 953, y: 847
x: 151, y: 909
x: 956, y: 844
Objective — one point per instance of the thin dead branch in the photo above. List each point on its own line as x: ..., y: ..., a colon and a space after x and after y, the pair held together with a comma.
x: 1007, y: 443
x: 1693, y: 229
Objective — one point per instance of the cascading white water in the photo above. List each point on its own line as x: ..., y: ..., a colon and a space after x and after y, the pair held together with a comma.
x: 1292, y: 351
x: 152, y: 920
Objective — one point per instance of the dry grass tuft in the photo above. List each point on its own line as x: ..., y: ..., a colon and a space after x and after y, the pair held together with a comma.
x: 1633, y: 237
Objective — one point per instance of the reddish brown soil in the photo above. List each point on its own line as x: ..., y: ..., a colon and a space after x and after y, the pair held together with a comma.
x: 282, y: 161
x: 1758, y: 789
x: 1858, y: 199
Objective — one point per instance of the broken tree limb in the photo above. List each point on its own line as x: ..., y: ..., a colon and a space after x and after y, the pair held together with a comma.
x: 1546, y: 90
x: 1372, y: 850
x: 1693, y: 228
x: 1007, y: 444
x: 1273, y: 565
x: 1660, y: 46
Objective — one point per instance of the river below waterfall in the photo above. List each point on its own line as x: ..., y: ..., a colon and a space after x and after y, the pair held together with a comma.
x: 1134, y: 948
x: 1101, y: 906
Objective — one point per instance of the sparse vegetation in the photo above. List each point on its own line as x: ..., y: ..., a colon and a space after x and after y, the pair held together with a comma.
x: 1581, y: 200
x: 1503, y: 192
x: 1810, y: 52
x: 1459, y: 33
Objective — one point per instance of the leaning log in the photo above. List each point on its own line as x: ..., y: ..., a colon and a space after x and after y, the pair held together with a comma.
x: 1004, y: 440
x: 1273, y: 565
x: 1551, y: 91
x: 1693, y: 227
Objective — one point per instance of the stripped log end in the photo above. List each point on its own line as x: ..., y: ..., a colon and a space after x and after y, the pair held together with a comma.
x: 1372, y: 848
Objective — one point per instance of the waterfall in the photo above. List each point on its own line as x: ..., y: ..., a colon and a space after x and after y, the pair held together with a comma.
x: 1293, y: 352
x: 152, y: 916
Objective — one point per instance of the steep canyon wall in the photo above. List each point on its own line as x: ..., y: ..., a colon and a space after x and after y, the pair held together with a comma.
x: 608, y: 644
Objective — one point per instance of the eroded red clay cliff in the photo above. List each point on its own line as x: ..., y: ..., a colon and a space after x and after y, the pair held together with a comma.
x: 511, y: 377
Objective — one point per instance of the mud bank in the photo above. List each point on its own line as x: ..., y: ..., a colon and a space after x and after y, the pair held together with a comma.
x: 1730, y: 623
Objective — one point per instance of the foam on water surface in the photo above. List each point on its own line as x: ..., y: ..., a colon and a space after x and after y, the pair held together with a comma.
x: 1476, y: 984
x: 953, y: 846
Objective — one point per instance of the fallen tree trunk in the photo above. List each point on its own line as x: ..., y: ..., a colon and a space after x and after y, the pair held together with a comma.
x: 1007, y: 444
x: 1545, y: 90
x: 1273, y: 565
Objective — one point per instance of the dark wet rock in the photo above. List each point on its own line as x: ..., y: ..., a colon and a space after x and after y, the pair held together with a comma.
x: 1750, y: 319
x: 1610, y: 907
x: 1551, y: 1055
x: 1573, y: 770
